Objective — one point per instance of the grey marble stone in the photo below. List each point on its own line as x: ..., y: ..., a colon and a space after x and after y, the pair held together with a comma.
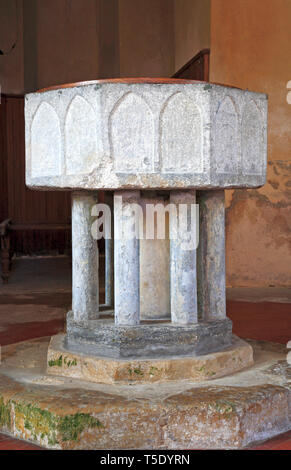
x: 126, y: 258
x: 146, y: 136
x: 183, y: 259
x: 211, y: 255
x: 109, y: 257
x: 153, y: 340
x: 155, y: 258
x: 85, y: 286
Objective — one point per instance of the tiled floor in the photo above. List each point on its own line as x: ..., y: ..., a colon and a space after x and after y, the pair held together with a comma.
x: 36, y: 300
x: 7, y: 443
x: 281, y: 442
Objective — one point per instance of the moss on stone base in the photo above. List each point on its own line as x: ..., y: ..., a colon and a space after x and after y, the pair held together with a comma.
x: 40, y: 424
x: 71, y: 426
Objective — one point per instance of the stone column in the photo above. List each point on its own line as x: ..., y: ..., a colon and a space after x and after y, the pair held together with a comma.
x: 154, y: 259
x: 211, y: 255
x: 182, y: 260
x: 109, y: 258
x: 126, y: 257
x: 85, y: 258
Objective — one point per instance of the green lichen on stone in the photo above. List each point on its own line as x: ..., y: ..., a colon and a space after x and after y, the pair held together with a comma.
x: 56, y: 429
x: 5, y: 413
x: 153, y: 370
x: 60, y: 360
x: 210, y: 373
x: 70, y: 363
x: 136, y: 371
x: 56, y: 362
x: 71, y: 426
x: 225, y: 407
x: 40, y: 422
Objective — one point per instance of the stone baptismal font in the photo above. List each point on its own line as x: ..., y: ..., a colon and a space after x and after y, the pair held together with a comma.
x: 176, y: 141
x: 154, y: 365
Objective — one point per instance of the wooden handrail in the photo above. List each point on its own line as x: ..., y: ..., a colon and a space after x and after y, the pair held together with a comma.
x: 186, y: 72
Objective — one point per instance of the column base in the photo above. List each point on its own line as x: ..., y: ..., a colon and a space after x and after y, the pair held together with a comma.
x: 157, y: 339
x: 62, y: 361
x: 69, y: 413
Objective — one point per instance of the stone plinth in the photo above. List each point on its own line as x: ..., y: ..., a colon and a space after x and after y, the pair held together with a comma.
x: 148, y: 339
x: 67, y: 362
x: 190, y: 140
x: 68, y: 413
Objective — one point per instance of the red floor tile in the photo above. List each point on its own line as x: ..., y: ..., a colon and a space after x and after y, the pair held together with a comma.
x: 16, y: 444
x: 18, y: 332
x: 283, y: 446
x: 267, y: 321
x: 281, y: 442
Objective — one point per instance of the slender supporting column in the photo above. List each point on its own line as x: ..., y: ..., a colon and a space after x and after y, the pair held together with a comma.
x: 126, y: 257
x: 109, y: 258
x: 85, y: 258
x: 183, y: 258
x: 155, y: 259
x: 211, y: 255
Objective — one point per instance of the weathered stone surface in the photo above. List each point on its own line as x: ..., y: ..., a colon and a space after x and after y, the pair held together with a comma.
x: 145, y: 136
x: 85, y: 270
x: 156, y: 339
x: 42, y: 162
x: 126, y: 258
x: 63, y: 362
x: 183, y: 259
x: 211, y: 255
x: 154, y: 261
x: 65, y: 413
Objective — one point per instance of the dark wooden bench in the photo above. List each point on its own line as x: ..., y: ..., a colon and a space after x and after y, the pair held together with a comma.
x: 7, y: 227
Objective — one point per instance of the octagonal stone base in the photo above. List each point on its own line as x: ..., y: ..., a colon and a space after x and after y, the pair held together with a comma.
x: 159, y: 339
x: 64, y: 362
x: 67, y: 413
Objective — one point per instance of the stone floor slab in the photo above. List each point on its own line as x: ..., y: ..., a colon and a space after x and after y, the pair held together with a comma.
x: 66, y: 413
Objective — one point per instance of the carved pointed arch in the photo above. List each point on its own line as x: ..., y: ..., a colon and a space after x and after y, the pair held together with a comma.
x: 251, y: 139
x: 226, y: 132
x: 45, y: 142
x: 80, y: 137
x: 131, y: 135
x: 181, y: 137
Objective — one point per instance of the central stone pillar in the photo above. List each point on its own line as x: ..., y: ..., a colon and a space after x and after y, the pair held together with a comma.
x: 126, y: 257
x: 154, y: 258
x: 109, y: 258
